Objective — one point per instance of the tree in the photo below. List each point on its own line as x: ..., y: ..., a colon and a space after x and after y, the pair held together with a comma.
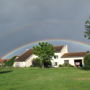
x: 10, y: 62
x: 87, y: 61
x: 45, y: 52
x: 36, y: 62
x: 87, y: 29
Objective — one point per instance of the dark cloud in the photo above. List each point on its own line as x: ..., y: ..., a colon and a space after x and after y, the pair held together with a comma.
x: 23, y: 21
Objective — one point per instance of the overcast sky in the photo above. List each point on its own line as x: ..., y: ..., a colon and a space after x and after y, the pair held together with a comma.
x: 24, y: 21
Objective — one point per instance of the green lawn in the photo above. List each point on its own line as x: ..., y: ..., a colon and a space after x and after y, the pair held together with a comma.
x: 45, y: 79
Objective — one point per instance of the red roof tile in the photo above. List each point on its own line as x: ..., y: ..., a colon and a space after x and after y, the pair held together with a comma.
x: 75, y: 54
x: 3, y: 60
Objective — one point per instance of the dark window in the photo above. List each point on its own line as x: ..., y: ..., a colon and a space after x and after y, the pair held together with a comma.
x: 56, y: 56
x: 66, y: 61
x: 78, y: 62
x: 55, y: 64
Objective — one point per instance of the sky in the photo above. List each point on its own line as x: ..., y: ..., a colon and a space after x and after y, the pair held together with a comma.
x: 24, y: 21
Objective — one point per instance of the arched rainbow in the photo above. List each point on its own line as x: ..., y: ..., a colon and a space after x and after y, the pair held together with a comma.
x: 29, y: 25
x: 47, y: 40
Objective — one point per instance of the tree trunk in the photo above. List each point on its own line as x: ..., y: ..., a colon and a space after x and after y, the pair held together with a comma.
x: 42, y: 66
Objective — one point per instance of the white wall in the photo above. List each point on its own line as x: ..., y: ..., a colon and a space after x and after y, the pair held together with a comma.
x: 28, y: 62
x: 71, y: 60
x: 64, y: 49
x: 60, y: 61
x: 19, y: 64
x: 56, y: 59
x: 59, y: 54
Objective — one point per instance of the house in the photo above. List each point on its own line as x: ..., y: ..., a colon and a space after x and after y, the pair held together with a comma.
x: 2, y: 61
x: 62, y: 56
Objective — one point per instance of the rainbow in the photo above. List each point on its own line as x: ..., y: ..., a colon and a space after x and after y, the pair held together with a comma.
x: 28, y: 25
x: 46, y: 40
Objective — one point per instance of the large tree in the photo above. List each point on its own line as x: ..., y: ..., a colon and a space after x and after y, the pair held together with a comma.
x: 87, y: 29
x: 45, y: 52
x: 87, y: 35
x: 87, y: 61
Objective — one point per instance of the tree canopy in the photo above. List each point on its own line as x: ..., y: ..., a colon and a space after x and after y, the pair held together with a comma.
x: 44, y: 51
x: 10, y: 62
x: 87, y: 61
x: 87, y: 29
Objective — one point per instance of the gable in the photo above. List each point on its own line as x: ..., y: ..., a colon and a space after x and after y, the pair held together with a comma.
x: 24, y: 56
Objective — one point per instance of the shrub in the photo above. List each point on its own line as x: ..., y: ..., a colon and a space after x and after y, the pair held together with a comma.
x: 60, y: 65
x: 36, y: 62
x: 10, y: 62
x: 65, y: 65
x: 87, y: 61
x: 47, y: 64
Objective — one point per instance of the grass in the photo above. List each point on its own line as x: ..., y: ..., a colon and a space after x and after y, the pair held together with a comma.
x: 44, y: 79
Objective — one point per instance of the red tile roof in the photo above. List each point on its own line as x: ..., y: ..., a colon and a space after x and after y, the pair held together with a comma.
x: 75, y: 54
x: 3, y: 60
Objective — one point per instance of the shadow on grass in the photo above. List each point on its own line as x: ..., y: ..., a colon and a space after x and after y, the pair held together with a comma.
x: 84, y: 69
x: 3, y: 72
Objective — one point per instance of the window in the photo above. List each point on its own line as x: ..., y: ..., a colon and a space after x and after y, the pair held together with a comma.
x: 66, y: 61
x: 56, y: 56
x: 55, y: 64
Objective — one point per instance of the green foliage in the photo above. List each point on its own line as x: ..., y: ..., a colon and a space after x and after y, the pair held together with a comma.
x: 36, y: 62
x: 87, y: 29
x: 47, y: 63
x: 66, y: 65
x: 67, y: 78
x: 10, y: 62
x: 87, y: 61
x: 44, y: 51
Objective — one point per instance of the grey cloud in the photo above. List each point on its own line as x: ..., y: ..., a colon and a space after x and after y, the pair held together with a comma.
x: 23, y: 21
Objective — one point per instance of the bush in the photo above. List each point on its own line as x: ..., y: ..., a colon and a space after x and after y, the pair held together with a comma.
x: 47, y: 64
x: 10, y: 62
x: 36, y: 62
x: 87, y: 61
x: 65, y: 65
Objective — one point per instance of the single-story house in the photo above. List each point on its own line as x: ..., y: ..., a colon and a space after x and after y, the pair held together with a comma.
x: 62, y: 56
